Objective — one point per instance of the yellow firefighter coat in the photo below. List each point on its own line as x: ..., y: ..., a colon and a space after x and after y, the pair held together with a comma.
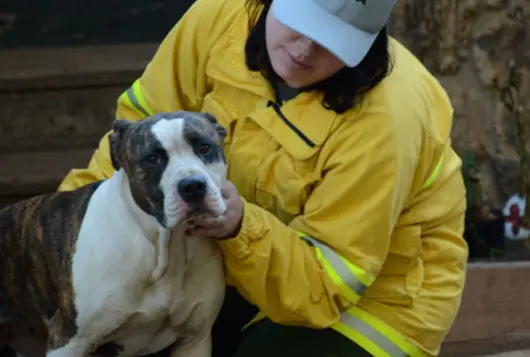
x: 352, y: 221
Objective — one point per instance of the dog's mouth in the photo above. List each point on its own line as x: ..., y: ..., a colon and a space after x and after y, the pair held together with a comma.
x: 190, y: 212
x: 181, y: 209
x: 212, y: 206
x: 198, y: 210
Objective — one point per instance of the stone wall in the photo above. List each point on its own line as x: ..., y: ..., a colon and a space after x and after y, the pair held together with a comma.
x: 470, y: 45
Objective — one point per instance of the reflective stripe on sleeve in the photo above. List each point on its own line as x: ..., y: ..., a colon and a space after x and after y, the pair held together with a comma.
x: 375, y: 336
x: 134, y: 98
x: 356, y: 324
x: 351, y: 279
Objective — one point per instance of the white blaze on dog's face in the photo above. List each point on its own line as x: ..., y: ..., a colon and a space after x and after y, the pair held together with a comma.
x: 174, y: 163
x: 195, y: 169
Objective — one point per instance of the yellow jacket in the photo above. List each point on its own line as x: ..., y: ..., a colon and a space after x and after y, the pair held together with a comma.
x: 353, y: 221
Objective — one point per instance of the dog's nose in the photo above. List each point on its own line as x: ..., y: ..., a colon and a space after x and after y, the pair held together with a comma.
x: 192, y: 189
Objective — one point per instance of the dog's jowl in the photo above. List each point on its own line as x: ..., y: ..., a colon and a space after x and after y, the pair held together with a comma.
x: 107, y: 266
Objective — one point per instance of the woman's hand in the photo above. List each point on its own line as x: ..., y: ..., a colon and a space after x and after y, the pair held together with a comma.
x: 225, y: 226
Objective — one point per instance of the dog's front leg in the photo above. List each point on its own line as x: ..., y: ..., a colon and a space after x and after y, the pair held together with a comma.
x: 199, y: 346
x: 91, y: 333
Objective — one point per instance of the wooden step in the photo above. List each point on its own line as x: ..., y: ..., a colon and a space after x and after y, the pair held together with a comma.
x: 494, y: 315
x: 71, y: 67
x: 55, y: 104
x: 32, y: 173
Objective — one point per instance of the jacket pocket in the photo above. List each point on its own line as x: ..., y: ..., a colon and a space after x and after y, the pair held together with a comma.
x: 284, y: 184
x: 401, y: 276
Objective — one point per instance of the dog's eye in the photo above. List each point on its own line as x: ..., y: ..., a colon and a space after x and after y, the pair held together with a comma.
x: 205, y: 149
x: 153, y: 160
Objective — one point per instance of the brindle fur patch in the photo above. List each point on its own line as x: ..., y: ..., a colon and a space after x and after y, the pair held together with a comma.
x: 203, y: 123
x: 38, y: 240
x: 131, y: 143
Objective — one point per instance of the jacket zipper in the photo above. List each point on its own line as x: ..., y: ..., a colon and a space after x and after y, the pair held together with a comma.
x: 289, y: 124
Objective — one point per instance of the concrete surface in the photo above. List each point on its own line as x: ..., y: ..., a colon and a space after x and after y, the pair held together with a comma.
x: 519, y: 353
x: 494, y: 315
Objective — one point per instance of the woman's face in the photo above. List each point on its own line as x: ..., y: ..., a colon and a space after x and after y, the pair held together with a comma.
x: 296, y: 59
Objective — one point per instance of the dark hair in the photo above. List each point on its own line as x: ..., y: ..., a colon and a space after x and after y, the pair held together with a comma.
x: 343, y: 90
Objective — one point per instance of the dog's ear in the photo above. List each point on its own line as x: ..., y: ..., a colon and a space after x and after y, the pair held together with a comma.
x: 119, y: 127
x: 221, y: 131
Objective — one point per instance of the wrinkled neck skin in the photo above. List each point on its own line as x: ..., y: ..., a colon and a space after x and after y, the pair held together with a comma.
x: 157, y: 234
x: 184, y: 250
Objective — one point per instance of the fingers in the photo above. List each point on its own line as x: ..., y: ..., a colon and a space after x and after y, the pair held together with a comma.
x: 202, y: 232
x: 204, y: 226
x: 228, y: 190
x: 226, y: 194
x: 206, y: 222
x: 224, y: 226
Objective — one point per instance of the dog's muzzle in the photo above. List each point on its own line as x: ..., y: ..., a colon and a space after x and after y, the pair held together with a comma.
x: 193, y: 191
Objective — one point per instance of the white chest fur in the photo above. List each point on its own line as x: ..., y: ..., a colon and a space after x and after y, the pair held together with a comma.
x: 116, y: 298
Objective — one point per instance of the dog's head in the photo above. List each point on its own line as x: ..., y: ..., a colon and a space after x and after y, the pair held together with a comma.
x: 174, y: 163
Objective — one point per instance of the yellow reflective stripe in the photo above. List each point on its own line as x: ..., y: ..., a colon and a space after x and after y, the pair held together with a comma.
x: 361, y: 340
x: 124, y: 97
x: 434, y: 173
x: 351, y: 279
x: 375, y: 336
x: 259, y: 316
x: 372, y: 334
x: 135, y: 99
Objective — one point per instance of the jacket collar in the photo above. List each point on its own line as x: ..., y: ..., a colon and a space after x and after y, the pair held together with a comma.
x: 291, y: 123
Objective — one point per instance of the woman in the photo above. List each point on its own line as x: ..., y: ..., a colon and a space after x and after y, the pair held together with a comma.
x: 345, y: 217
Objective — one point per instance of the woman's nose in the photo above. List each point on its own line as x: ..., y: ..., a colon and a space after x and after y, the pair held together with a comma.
x: 308, y: 43
x: 306, y: 47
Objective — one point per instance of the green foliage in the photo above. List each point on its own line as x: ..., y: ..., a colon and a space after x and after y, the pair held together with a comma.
x: 470, y: 174
x: 480, y: 246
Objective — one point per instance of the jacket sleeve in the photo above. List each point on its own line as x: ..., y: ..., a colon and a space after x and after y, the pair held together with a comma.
x: 311, y: 270
x: 173, y: 80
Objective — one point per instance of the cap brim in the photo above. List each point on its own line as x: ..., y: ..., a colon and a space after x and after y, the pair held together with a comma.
x: 345, y: 41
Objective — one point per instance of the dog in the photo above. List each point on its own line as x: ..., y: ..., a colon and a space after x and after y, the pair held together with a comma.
x: 108, y: 266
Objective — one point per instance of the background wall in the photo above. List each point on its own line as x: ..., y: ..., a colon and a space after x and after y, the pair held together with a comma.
x: 26, y: 23
x: 470, y: 46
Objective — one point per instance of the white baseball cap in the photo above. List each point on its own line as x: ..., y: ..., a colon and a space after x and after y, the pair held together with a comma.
x: 347, y: 28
